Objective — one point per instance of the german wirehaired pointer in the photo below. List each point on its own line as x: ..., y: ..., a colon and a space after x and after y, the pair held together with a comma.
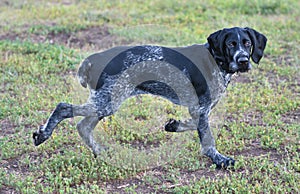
x: 194, y: 76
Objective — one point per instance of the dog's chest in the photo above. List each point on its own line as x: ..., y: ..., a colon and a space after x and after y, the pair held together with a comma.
x: 215, y: 79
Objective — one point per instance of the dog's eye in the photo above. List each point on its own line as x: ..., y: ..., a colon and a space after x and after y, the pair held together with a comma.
x: 231, y: 44
x: 247, y: 43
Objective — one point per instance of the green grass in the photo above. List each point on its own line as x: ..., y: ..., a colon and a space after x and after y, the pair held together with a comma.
x: 257, y: 121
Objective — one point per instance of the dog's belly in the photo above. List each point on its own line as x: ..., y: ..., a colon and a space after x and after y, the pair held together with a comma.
x: 159, y: 89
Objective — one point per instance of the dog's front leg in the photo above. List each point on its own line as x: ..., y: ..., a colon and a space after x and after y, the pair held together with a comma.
x: 180, y: 126
x: 208, y: 147
x: 200, y: 122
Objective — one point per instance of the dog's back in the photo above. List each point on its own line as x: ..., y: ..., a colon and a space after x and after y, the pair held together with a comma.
x: 195, y: 61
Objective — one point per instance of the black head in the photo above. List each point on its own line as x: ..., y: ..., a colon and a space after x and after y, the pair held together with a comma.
x: 233, y: 47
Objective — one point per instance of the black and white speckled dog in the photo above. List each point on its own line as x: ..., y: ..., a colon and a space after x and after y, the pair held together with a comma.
x: 195, y: 76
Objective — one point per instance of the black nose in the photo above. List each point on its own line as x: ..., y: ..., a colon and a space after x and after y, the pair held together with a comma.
x: 243, y: 61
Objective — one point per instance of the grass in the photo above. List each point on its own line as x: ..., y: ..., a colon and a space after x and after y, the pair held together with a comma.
x: 257, y: 122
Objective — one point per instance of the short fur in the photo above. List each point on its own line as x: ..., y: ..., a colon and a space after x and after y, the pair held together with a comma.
x: 231, y: 49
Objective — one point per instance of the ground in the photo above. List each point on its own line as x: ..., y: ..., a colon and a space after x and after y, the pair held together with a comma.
x: 256, y: 122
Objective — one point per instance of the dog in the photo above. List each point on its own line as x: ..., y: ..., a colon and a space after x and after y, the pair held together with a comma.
x: 195, y: 76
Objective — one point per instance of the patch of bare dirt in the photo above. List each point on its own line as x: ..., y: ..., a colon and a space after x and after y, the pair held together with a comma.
x: 92, y: 38
x: 255, y: 151
x: 7, y: 190
x: 285, y: 60
x: 145, y: 182
x: 158, y: 175
x: 7, y: 127
x: 4, y: 3
x: 18, y: 168
x: 254, y: 118
x: 291, y: 117
x: 241, y: 78
x: 120, y: 186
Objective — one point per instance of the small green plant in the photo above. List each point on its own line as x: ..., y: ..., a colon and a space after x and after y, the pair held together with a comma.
x: 256, y: 122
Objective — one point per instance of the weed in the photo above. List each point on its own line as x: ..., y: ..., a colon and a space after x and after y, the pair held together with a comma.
x: 256, y: 122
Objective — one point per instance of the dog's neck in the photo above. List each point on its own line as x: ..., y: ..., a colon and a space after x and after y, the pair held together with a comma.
x: 226, y: 75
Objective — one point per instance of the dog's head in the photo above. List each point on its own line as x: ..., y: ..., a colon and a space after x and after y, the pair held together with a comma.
x: 233, y: 47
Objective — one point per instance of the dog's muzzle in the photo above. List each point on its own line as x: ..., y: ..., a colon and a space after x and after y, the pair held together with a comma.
x: 244, y: 64
x: 241, y: 62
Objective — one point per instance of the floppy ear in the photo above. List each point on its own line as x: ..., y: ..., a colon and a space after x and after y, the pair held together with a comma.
x: 216, y: 42
x: 259, y: 42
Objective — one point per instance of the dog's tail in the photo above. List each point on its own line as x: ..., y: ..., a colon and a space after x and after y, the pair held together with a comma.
x: 83, y: 72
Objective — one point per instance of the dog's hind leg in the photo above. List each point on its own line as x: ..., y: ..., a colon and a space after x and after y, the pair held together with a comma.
x: 61, y: 112
x: 85, y: 128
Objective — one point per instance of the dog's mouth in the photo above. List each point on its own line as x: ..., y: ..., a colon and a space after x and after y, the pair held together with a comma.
x: 241, y: 64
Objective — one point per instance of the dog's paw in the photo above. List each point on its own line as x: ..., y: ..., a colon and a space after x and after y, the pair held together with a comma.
x: 221, y: 161
x: 39, y: 137
x: 224, y: 162
x: 172, y: 125
x: 98, y: 149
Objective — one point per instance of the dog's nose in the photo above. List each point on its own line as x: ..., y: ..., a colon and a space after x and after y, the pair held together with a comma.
x: 243, y: 60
